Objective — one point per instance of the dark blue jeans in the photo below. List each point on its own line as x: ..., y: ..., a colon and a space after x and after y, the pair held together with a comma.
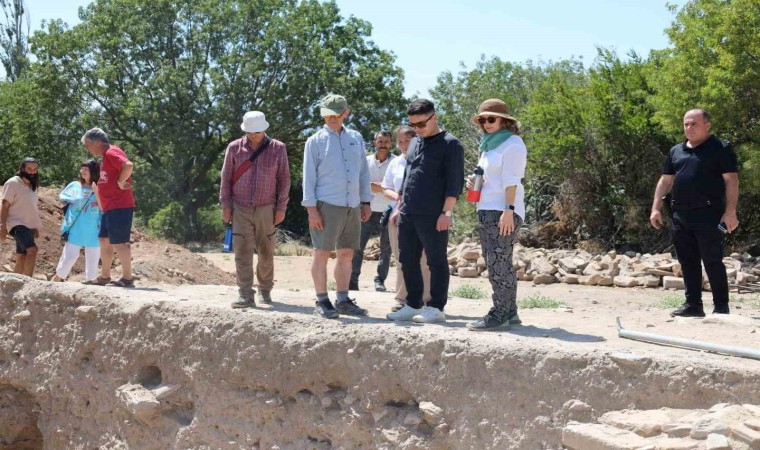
x: 697, y: 239
x: 415, y: 233
x: 370, y: 228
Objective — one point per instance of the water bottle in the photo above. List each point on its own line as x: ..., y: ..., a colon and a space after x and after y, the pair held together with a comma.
x: 227, y: 247
x: 473, y: 194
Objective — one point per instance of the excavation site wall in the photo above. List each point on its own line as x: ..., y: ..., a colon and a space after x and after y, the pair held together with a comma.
x: 88, y: 367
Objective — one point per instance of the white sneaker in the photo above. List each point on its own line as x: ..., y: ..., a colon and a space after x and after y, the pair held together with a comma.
x: 430, y: 315
x: 405, y: 313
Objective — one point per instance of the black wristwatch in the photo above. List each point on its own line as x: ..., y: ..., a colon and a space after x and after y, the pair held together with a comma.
x: 365, y: 203
x: 510, y: 207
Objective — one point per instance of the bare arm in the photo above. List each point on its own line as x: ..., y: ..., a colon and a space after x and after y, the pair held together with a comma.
x: 732, y: 199
x: 663, y: 187
x: 391, y: 194
x: 4, y: 219
x: 126, y: 172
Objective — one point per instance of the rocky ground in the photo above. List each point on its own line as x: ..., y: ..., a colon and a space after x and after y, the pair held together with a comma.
x: 175, y: 367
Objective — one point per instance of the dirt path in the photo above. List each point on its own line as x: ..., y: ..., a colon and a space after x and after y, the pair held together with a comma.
x: 587, y: 323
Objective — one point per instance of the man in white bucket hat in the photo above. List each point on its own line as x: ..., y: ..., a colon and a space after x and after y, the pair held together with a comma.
x: 254, y: 194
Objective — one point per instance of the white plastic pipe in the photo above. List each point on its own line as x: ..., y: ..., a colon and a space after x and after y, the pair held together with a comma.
x: 687, y: 343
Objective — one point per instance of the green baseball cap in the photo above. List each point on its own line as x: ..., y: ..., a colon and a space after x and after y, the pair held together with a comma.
x: 333, y: 105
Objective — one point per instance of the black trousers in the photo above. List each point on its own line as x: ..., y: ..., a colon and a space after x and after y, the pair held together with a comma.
x: 369, y: 229
x: 415, y: 233
x: 697, y: 240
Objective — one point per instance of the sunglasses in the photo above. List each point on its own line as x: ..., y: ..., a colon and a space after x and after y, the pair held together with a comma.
x: 490, y: 119
x: 422, y: 124
x: 331, y: 117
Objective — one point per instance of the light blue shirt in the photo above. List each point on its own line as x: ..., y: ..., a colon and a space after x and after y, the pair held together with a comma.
x: 83, y: 214
x: 335, y: 169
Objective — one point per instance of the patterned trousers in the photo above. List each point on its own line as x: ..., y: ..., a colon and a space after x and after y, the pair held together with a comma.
x: 497, y: 250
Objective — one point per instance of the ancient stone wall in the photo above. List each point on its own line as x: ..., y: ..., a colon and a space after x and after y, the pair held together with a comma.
x: 93, y: 367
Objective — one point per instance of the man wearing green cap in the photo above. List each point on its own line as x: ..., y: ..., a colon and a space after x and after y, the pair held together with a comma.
x: 337, y: 195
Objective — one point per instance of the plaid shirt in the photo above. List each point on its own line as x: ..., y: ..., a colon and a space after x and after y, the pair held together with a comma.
x: 266, y: 183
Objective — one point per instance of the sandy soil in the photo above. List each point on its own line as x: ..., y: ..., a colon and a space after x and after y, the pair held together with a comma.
x: 588, y: 321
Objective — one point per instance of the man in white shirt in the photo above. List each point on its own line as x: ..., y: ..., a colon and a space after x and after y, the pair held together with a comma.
x: 378, y: 163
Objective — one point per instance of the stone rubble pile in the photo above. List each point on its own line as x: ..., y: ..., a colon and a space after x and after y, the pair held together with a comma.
x: 722, y: 427
x: 546, y: 266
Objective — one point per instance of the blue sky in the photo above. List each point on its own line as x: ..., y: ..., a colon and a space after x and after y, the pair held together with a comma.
x: 432, y: 36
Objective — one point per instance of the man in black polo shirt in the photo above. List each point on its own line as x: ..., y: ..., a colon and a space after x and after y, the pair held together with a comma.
x: 705, y: 190
x: 433, y: 181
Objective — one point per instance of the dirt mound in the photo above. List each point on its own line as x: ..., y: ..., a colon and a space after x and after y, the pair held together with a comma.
x: 153, y: 260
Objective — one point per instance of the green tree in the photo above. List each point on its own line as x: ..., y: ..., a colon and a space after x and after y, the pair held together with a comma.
x: 170, y: 80
x: 14, y: 32
x: 714, y: 63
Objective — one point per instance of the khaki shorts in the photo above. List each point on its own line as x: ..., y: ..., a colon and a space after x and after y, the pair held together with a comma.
x: 341, y: 228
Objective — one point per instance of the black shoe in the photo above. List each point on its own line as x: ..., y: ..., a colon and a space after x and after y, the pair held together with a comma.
x: 379, y: 286
x: 488, y: 322
x: 514, y: 319
x: 721, y: 310
x: 325, y: 309
x: 353, y: 285
x: 349, y: 307
x: 688, y: 310
x: 244, y: 302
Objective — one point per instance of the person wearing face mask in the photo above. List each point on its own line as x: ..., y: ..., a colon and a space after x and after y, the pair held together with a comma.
x: 81, y: 224
x: 501, y: 208
x: 20, y: 217
x: 378, y: 163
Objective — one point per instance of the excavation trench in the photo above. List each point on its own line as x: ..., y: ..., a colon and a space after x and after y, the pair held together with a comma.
x: 102, y: 367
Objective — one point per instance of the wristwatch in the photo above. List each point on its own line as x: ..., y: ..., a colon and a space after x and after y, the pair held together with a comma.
x: 448, y: 213
x: 365, y: 203
x: 510, y: 207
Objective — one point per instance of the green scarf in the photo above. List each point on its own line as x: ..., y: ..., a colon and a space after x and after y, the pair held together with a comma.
x: 492, y: 140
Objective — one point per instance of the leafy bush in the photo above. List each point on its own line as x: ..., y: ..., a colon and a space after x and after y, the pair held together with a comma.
x: 171, y: 222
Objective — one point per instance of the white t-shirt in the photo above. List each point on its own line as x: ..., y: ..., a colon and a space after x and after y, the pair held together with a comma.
x: 377, y: 172
x: 394, y: 176
x: 503, y: 166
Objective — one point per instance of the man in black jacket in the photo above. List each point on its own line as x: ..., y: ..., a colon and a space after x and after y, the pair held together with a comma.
x: 433, y: 181
x: 701, y: 175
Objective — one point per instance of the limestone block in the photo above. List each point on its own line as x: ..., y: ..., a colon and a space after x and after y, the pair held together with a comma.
x: 593, y: 268
x: 467, y: 272
x: 583, y: 436
x: 624, y: 281
x: 481, y: 262
x: 747, y: 435
x: 140, y: 402
x: 644, y: 423
x: 717, y: 442
x: 543, y: 278
x: 462, y: 263
x: 23, y: 315
x: 706, y: 425
x: 570, y: 279
x: 484, y: 274
x: 522, y: 276
x: 542, y: 265
x: 85, y: 311
x: 753, y: 424
x: 672, y: 283
x: 576, y: 406
x: 651, y: 281
x: 675, y: 444
x: 568, y: 264
x: 453, y: 259
x: 677, y: 270
x: 605, y: 281
x: 590, y: 280
x: 471, y: 255
x: 432, y: 413
x: 659, y: 273
x: 677, y: 429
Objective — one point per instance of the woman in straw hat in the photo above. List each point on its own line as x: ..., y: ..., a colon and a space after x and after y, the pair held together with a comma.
x: 501, y: 208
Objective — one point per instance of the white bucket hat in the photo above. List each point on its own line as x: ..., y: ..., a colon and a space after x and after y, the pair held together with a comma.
x: 254, y: 122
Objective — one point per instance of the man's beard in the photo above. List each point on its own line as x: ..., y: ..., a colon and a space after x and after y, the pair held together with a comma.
x: 33, y: 179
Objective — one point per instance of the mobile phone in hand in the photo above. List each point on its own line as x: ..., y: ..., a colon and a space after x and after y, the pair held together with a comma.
x: 723, y: 228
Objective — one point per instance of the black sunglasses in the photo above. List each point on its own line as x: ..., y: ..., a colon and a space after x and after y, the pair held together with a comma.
x: 490, y: 119
x: 422, y: 124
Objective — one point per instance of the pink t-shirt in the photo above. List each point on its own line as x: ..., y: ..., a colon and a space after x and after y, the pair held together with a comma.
x: 23, y: 201
x: 111, y: 195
